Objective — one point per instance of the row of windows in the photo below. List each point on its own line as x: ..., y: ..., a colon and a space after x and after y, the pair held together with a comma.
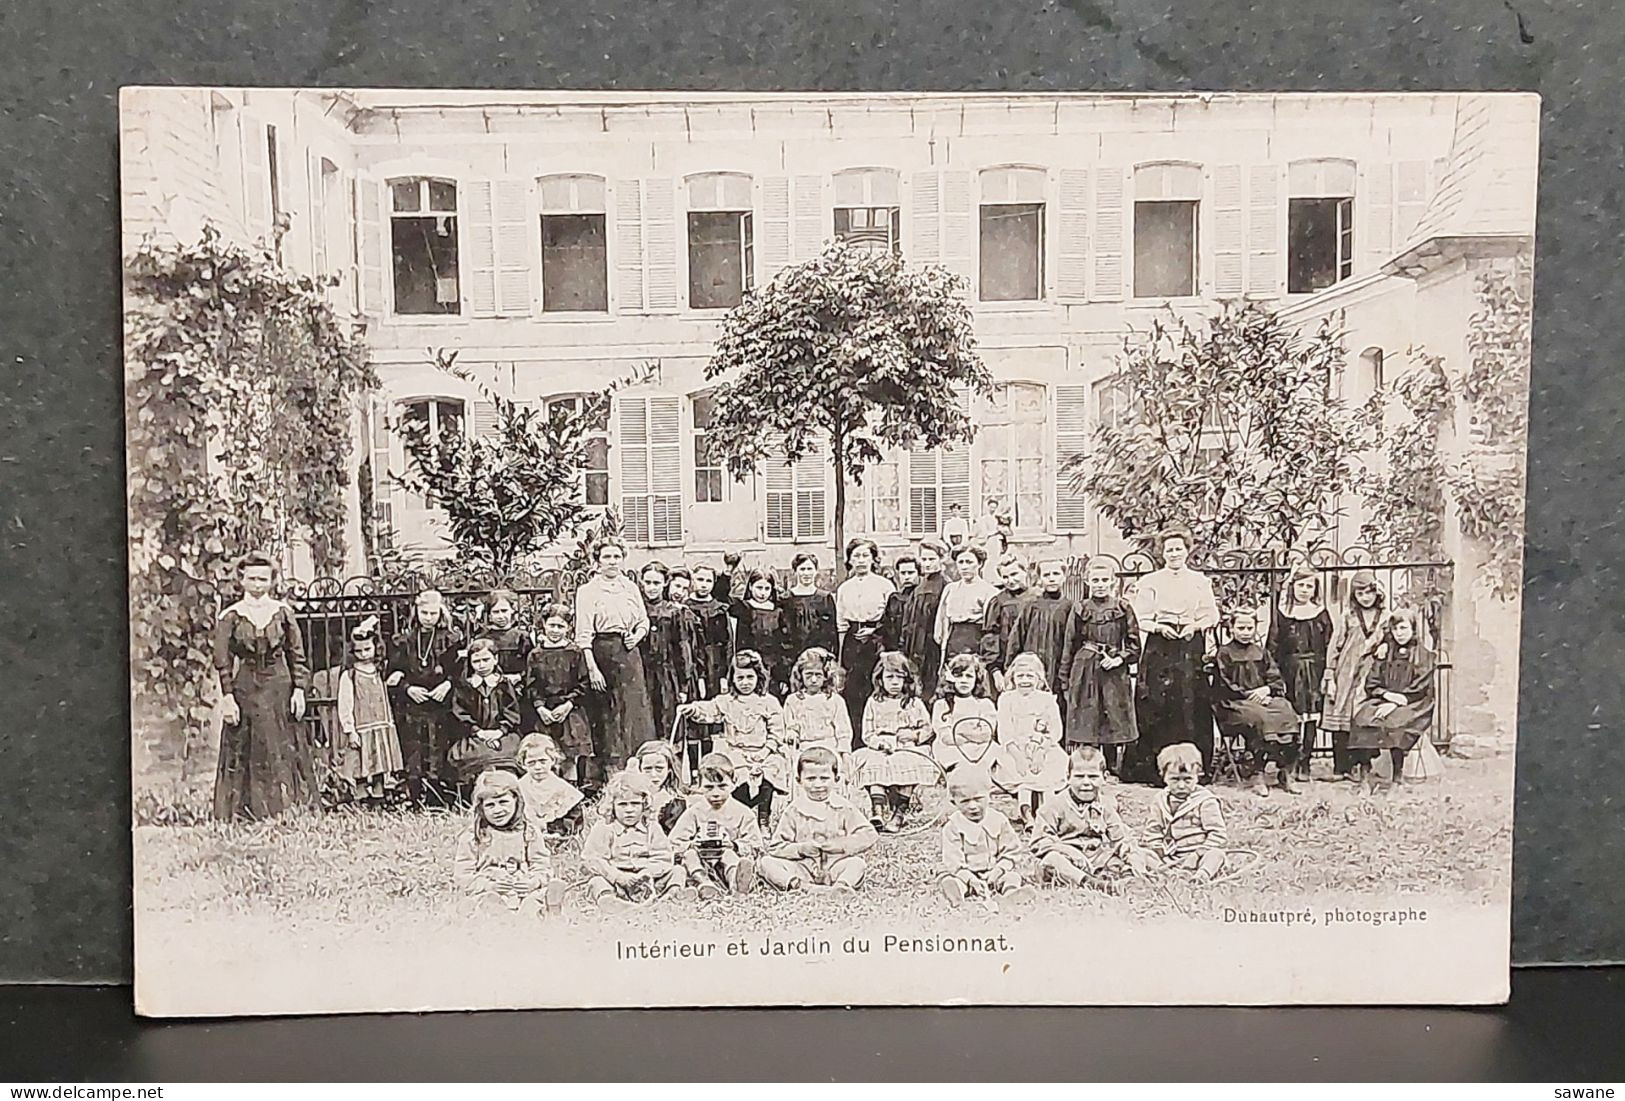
x: 720, y: 229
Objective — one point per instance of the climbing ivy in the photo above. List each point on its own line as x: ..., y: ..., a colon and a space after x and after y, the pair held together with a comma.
x: 240, y: 386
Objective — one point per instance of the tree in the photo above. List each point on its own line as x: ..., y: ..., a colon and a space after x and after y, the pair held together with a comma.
x: 510, y: 492
x: 853, y: 348
x: 1230, y: 426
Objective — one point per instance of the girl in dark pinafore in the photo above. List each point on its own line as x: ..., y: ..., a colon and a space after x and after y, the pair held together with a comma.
x: 1300, y: 633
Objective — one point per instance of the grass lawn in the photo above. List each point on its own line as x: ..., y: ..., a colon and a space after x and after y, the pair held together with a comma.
x: 1447, y: 840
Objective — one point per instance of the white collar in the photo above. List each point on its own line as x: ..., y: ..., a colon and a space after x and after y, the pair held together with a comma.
x: 490, y: 680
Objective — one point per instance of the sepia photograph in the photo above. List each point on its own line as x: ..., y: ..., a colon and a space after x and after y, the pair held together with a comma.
x: 722, y: 549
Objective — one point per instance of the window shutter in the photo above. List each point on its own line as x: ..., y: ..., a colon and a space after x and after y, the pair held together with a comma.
x: 955, y: 479
x: 811, y: 227
x: 1410, y: 199
x: 1071, y: 438
x: 1376, y: 210
x: 775, y: 236
x: 1072, y: 263
x: 778, y: 498
x: 1229, y: 244
x: 1110, y: 236
x: 926, y: 247
x: 486, y: 421
x: 1265, y: 269
x: 660, y: 243
x: 256, y: 181
x: 632, y: 416
x: 479, y: 269
x: 513, y: 256
x: 317, y: 222
x: 629, y: 246
x: 665, y: 471
x: 959, y: 239
x: 810, y: 492
x: 370, y: 228
x: 383, y: 487
x: 922, y: 492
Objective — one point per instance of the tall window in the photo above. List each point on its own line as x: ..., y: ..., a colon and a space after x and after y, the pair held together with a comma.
x: 575, y: 258
x: 867, y: 213
x: 876, y: 506
x: 708, y: 478
x: 1012, y: 235
x: 721, y: 248
x: 423, y: 245
x: 1320, y: 224
x: 595, y: 467
x: 444, y: 418
x: 1167, y: 201
x: 1011, y: 442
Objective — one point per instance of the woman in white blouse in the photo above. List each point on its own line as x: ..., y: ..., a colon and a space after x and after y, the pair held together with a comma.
x: 860, y: 601
x: 959, y: 614
x: 610, y: 622
x: 1176, y: 609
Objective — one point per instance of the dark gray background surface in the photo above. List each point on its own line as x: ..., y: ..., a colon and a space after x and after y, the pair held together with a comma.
x: 64, y: 804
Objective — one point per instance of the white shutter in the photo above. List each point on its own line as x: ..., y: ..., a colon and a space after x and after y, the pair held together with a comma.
x: 1265, y: 266
x: 317, y: 222
x: 811, y: 220
x: 926, y: 247
x: 811, y: 508
x: 924, y: 505
x: 665, y: 471
x: 1111, y: 237
x: 632, y: 419
x: 960, y: 236
x: 383, y: 486
x: 629, y: 265
x: 1410, y: 199
x: 486, y: 421
x: 479, y: 265
x: 775, y: 233
x: 1375, y: 209
x: 370, y: 229
x: 513, y: 247
x: 1071, y: 438
x: 256, y: 181
x: 1229, y: 239
x: 955, y: 480
x: 1072, y: 261
x: 660, y: 235
x: 778, y: 499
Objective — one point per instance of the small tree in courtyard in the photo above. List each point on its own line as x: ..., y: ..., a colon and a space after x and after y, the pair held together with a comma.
x: 853, y: 348
x: 1231, y: 426
x: 510, y: 492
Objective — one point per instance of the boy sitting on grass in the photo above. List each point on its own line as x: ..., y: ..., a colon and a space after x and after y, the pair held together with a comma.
x: 1079, y: 837
x: 1189, y: 834
x: 627, y: 855
x: 979, y: 844
x: 820, y: 837
x: 717, y: 838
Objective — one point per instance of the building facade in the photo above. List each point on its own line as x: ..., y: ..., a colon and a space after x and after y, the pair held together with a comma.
x: 558, y: 244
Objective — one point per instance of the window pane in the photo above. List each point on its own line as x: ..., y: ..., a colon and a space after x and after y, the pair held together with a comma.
x: 1312, y: 244
x: 868, y: 227
x: 715, y: 255
x: 416, y: 413
x: 443, y: 195
x: 597, y: 448
x: 425, y: 258
x: 1164, y: 249
x: 575, y: 265
x: 598, y: 489
x: 406, y: 195
x: 597, y: 411
x: 1012, y: 252
x: 704, y: 407
x: 450, y: 416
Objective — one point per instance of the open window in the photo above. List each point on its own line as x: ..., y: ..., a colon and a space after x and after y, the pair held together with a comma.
x: 575, y: 254
x: 1012, y: 235
x: 1320, y: 224
x: 867, y: 212
x: 1167, y: 209
x: 423, y: 245
x: 444, y: 419
x: 595, y: 467
x: 721, y: 245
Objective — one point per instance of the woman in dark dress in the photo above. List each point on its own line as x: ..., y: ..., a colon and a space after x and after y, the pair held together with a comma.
x: 919, y: 621
x: 759, y: 626
x: 611, y: 622
x: 860, y: 602
x: 423, y: 659
x: 1105, y: 643
x: 1299, y: 636
x: 265, y: 759
x: 668, y: 658
x: 1176, y: 609
x: 809, y: 612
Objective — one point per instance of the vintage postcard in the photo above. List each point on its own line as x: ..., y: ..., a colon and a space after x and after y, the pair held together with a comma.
x: 641, y: 549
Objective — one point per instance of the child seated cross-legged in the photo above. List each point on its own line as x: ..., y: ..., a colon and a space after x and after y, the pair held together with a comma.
x: 821, y: 838
x: 1189, y: 834
x: 553, y: 804
x: 504, y: 858
x: 627, y: 854
x: 979, y: 845
x: 1079, y: 837
x: 717, y: 838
